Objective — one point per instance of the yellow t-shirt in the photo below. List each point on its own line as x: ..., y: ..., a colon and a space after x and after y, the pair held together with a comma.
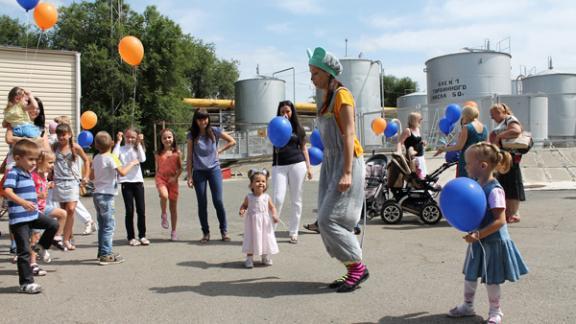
x: 344, y: 97
x: 16, y: 115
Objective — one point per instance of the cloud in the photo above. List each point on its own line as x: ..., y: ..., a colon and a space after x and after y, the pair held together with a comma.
x: 300, y: 7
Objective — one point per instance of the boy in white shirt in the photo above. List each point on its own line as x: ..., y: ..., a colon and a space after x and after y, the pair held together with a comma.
x: 104, y: 176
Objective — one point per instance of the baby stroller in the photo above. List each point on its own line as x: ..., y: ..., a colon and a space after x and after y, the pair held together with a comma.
x: 409, y: 193
x: 375, y: 185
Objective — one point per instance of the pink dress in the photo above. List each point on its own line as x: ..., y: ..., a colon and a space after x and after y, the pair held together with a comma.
x: 259, y: 235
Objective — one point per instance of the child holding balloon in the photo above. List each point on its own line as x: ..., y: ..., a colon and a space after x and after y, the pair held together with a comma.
x: 492, y: 255
x: 67, y: 177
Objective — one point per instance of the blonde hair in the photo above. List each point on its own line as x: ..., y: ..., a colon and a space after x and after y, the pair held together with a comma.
x: 14, y: 92
x: 103, y: 141
x: 497, y: 159
x: 62, y: 120
x: 413, y: 119
x: 25, y: 147
x: 470, y: 113
x: 44, y: 155
x: 502, y: 107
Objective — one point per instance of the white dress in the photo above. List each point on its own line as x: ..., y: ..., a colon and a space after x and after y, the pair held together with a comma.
x: 259, y: 235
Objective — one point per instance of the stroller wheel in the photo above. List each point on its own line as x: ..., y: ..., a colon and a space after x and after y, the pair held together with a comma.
x: 391, y: 212
x: 430, y: 213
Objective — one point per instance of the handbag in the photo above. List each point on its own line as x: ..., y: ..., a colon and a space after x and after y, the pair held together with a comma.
x: 521, y: 144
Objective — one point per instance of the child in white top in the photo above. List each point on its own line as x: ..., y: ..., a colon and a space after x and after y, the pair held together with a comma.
x: 259, y: 215
x: 133, y: 183
x: 104, y: 174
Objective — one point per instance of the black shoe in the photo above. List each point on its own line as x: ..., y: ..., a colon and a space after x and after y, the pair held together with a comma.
x: 348, y: 288
x: 357, y: 230
x: 59, y: 245
x: 312, y: 227
x: 338, y: 282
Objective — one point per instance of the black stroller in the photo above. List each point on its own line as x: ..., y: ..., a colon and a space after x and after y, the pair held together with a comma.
x: 406, y: 192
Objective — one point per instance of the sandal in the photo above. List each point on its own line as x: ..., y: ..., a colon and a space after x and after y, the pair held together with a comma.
x: 293, y: 239
x: 225, y: 237
x: 495, y: 318
x: 513, y: 219
x: 69, y: 246
x: 312, y: 227
x: 338, y: 282
x: 205, y: 239
x: 461, y: 310
x: 59, y: 245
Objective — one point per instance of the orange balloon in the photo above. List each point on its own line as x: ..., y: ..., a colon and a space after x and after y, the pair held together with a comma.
x: 131, y: 50
x: 470, y: 104
x: 88, y: 119
x: 378, y: 125
x: 45, y: 15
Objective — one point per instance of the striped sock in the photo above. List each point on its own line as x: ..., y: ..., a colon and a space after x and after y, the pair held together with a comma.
x: 355, y: 272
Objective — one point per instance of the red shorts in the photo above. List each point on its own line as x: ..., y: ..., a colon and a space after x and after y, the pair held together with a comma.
x: 171, y: 187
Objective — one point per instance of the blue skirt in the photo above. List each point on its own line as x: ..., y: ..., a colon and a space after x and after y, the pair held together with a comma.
x: 500, y: 262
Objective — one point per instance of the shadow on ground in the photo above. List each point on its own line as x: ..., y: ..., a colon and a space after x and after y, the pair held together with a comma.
x: 425, y: 318
x: 267, y: 287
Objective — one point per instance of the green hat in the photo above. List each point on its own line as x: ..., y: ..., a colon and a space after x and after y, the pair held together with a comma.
x: 325, y: 61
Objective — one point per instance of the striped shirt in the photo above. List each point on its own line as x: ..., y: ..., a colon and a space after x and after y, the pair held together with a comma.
x: 21, y: 182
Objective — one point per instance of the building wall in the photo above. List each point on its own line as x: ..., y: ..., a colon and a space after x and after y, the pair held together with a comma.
x: 53, y: 76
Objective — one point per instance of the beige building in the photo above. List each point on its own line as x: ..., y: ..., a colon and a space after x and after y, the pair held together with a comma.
x: 53, y: 76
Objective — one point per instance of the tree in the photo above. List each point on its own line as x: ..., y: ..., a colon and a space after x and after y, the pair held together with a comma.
x: 394, y: 88
x: 12, y: 33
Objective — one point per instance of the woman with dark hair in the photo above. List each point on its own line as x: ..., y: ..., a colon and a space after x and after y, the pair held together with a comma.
x: 290, y: 164
x: 203, y: 166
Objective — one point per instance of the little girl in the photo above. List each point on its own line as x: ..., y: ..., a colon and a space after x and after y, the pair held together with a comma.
x: 67, y: 177
x: 492, y: 255
x: 20, y: 103
x: 259, y: 213
x: 133, y: 184
x: 168, y: 169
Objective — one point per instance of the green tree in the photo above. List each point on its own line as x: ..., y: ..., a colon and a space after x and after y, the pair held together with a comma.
x: 394, y: 88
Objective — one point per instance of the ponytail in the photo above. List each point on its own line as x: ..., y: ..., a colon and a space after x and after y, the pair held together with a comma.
x: 504, y: 162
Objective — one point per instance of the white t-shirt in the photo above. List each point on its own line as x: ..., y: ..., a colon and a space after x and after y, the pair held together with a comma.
x: 127, y: 154
x: 105, y: 174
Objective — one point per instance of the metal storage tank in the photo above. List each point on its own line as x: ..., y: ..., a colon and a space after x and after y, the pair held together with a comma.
x: 464, y: 76
x: 560, y: 89
x: 532, y: 112
x: 363, y: 78
x: 256, y: 101
x: 413, y: 102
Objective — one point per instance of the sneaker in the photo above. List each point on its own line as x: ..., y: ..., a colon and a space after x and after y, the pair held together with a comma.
x: 89, y: 228
x: 164, y: 221
x: 173, y: 236
x: 43, y: 253
x: 266, y: 260
x: 144, y: 241
x: 461, y: 310
x: 134, y: 242
x: 293, y: 239
x: 249, y: 263
x: 31, y: 288
x: 338, y: 282
x: 37, y: 271
x: 110, y: 259
x: 495, y: 318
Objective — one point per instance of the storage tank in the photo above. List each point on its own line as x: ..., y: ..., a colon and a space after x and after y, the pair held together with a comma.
x: 362, y: 77
x: 413, y: 102
x: 532, y: 112
x: 466, y: 76
x: 256, y: 101
x: 560, y: 88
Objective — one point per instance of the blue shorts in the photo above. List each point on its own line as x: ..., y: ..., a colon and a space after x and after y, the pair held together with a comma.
x: 26, y: 130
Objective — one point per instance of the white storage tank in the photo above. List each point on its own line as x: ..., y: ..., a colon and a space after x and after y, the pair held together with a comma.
x: 256, y: 101
x: 363, y: 78
x: 413, y: 102
x: 560, y: 88
x: 532, y: 112
x: 464, y: 76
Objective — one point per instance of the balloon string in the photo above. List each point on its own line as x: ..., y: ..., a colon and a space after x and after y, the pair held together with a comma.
x: 34, y: 57
x: 133, y: 97
x: 484, y: 265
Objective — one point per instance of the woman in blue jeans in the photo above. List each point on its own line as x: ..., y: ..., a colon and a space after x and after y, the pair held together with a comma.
x: 203, y: 167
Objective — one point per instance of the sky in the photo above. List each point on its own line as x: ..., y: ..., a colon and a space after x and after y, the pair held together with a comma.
x: 273, y: 35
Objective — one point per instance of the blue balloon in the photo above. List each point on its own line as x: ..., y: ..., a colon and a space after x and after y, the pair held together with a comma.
x: 279, y: 131
x: 28, y: 4
x: 445, y: 126
x: 463, y: 204
x: 316, y: 140
x: 391, y: 129
x: 316, y: 155
x: 452, y: 156
x: 85, y: 138
x: 453, y: 112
